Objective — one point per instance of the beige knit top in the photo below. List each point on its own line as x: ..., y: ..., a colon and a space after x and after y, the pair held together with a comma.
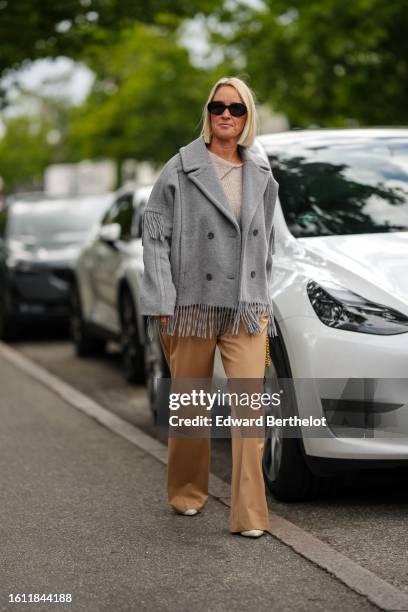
x: 230, y: 176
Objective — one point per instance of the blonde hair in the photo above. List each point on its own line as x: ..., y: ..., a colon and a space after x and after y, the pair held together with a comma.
x: 249, y: 132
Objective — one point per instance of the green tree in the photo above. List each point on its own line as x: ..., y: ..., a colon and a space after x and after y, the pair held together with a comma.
x: 30, y: 29
x: 146, y: 102
x: 326, y: 62
x: 34, y: 137
x: 25, y: 152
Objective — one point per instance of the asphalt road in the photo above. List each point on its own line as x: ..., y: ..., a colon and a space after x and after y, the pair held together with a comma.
x: 365, y: 519
x: 84, y: 513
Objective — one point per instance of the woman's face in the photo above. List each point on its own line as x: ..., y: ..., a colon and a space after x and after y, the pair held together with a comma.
x: 225, y: 126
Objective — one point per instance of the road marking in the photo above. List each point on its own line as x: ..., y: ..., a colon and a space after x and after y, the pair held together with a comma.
x: 379, y: 592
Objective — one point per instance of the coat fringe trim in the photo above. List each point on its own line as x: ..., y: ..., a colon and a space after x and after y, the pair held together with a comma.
x: 207, y: 320
x: 153, y: 223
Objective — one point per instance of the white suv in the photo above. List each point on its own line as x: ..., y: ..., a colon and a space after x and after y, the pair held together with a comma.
x: 105, y: 302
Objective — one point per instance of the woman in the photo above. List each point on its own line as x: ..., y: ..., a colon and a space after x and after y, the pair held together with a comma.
x: 208, y: 241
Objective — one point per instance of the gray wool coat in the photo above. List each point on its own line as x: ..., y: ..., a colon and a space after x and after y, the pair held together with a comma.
x: 201, y: 266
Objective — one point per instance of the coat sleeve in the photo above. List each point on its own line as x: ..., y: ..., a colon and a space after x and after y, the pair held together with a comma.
x: 157, y: 291
x: 271, y: 197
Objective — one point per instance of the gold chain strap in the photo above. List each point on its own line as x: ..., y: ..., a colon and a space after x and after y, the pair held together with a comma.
x: 267, y: 354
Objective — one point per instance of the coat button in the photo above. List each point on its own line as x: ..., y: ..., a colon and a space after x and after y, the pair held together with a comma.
x: 255, y: 232
x: 210, y: 235
x: 209, y: 277
x: 253, y: 274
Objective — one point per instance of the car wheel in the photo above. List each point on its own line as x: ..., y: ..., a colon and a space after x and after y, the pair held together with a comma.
x: 156, y: 369
x: 86, y: 344
x: 286, y: 472
x: 132, y: 350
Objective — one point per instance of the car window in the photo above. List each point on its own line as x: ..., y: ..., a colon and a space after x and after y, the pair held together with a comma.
x: 121, y: 212
x: 110, y: 214
x: 138, y: 218
x: 350, y: 187
x: 60, y: 219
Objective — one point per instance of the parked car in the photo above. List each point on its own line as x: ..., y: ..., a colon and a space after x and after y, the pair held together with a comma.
x: 105, y: 302
x: 40, y: 238
x: 340, y: 294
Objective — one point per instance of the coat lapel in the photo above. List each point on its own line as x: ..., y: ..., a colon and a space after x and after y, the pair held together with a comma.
x: 200, y: 169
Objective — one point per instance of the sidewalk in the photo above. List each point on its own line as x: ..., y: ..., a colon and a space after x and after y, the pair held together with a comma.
x: 85, y: 512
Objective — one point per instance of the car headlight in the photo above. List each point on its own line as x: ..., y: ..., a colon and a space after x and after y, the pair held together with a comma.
x: 343, y: 309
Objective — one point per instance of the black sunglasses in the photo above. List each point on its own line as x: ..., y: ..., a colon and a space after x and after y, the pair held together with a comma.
x: 236, y: 108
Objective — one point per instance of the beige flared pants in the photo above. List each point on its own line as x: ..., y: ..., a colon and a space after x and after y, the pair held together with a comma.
x: 243, y: 356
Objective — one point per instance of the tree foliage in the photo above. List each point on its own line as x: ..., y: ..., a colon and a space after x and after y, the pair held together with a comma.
x: 30, y: 29
x: 325, y: 62
x: 146, y: 102
x: 24, y: 152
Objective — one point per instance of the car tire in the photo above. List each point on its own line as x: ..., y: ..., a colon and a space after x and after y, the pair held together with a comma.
x: 132, y: 350
x: 86, y: 344
x: 287, y: 475
x: 156, y: 368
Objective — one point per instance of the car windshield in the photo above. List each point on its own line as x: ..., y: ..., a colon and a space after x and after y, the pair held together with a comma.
x: 357, y: 186
x: 56, y: 219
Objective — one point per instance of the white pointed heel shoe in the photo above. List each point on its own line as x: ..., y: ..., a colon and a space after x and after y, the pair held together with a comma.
x: 252, y: 533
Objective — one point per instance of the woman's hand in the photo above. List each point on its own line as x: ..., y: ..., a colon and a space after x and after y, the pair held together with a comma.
x: 164, y: 319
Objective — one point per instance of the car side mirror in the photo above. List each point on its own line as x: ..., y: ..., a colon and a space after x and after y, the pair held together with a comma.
x: 110, y: 233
